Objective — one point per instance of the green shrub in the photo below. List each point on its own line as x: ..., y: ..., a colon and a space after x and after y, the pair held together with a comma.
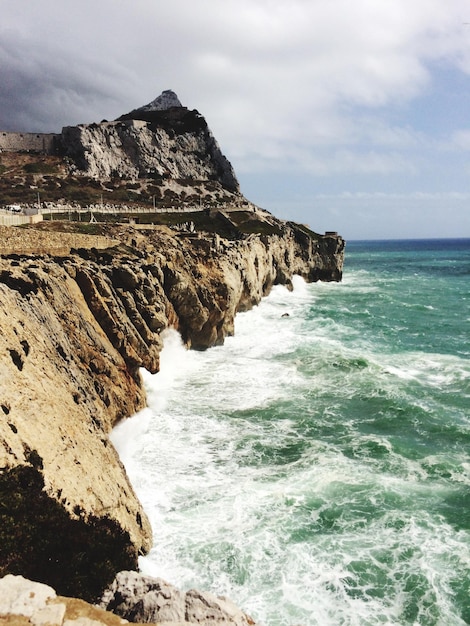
x: 40, y: 167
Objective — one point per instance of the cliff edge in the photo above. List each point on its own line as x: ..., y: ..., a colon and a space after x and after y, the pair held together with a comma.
x: 83, y: 307
x: 76, y: 328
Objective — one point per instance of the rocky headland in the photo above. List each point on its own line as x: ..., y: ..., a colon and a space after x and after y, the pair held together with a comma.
x: 83, y: 308
x: 162, y: 155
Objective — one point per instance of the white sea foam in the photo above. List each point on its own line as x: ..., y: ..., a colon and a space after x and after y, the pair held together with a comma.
x: 262, y: 487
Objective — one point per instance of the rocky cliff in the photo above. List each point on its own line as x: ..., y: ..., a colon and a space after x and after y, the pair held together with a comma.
x: 161, y: 140
x: 161, y: 154
x: 83, y: 309
x: 76, y: 328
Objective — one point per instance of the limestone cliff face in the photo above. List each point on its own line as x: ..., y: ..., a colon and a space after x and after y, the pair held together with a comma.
x: 68, y: 511
x: 162, y: 140
x: 75, y: 331
x: 81, y: 314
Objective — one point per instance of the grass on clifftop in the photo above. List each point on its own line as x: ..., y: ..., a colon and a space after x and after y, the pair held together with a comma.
x: 64, y: 226
x: 233, y: 226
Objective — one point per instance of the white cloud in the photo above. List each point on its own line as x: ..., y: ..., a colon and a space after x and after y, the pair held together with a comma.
x: 321, y: 164
x: 460, y: 140
x: 366, y: 215
x: 360, y: 196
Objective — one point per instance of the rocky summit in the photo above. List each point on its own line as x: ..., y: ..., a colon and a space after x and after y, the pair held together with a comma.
x: 83, y: 307
x: 162, y: 140
x: 166, y: 100
x: 158, y: 155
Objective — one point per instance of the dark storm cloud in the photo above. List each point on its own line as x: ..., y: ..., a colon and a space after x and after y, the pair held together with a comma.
x: 44, y: 85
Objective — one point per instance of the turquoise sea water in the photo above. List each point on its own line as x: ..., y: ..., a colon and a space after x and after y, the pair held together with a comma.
x: 316, y: 468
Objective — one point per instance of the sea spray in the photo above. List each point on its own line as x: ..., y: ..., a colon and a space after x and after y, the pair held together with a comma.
x: 315, y: 468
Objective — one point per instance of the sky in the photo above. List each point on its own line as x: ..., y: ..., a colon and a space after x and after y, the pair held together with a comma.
x: 346, y: 116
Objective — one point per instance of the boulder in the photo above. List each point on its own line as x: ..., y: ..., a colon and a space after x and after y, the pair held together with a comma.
x: 27, y: 603
x: 131, y: 598
x: 144, y: 599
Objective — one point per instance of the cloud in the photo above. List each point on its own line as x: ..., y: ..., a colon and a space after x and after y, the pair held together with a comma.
x: 43, y: 88
x: 360, y: 196
x: 288, y: 63
x: 366, y: 215
x: 331, y: 90
x: 330, y: 163
x: 460, y: 140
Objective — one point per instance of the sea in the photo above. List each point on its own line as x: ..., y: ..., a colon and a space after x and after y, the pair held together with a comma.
x: 315, y: 469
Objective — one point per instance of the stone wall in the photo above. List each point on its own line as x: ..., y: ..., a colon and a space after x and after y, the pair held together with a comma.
x: 7, y: 219
x: 46, y: 143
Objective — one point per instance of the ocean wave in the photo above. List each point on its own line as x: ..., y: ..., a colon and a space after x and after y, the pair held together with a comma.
x: 315, y: 468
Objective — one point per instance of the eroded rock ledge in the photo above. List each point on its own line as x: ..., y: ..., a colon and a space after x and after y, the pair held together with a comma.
x: 76, y: 329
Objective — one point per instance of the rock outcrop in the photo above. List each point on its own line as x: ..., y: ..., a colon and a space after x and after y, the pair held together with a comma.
x: 27, y: 603
x: 166, y: 100
x: 161, y: 140
x: 144, y: 599
x: 138, y: 599
x: 75, y: 331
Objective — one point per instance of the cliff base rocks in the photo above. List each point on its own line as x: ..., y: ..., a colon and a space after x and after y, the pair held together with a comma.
x: 144, y: 599
x: 132, y: 598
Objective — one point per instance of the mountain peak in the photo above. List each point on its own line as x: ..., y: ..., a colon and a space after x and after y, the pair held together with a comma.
x: 166, y: 100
